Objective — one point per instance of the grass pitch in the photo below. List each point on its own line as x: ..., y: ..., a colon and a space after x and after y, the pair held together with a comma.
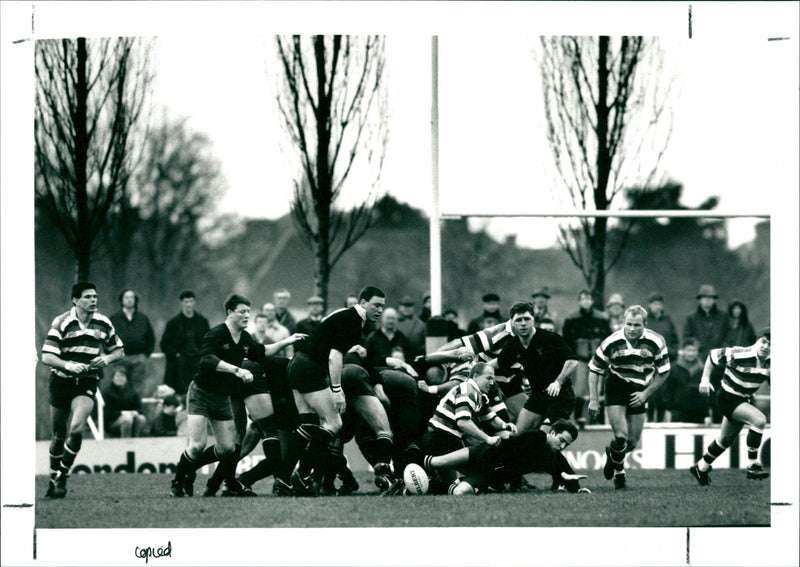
x: 655, y: 498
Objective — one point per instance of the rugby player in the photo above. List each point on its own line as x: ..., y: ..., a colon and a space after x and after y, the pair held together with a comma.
x: 637, y: 363
x: 79, y: 344
x: 315, y: 375
x: 746, y: 368
x: 222, y: 354
x: 488, y: 465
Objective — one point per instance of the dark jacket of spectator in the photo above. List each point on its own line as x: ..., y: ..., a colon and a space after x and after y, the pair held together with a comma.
x: 136, y: 334
x: 413, y: 329
x: 584, y: 331
x: 180, y: 344
x: 740, y: 329
x: 664, y: 326
x: 379, y: 346
x: 683, y: 395
x: 118, y: 400
x: 708, y: 328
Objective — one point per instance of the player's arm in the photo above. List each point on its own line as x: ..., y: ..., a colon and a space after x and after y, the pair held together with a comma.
x: 566, y: 373
x: 335, y: 364
x: 705, y: 382
x: 640, y: 398
x: 275, y: 348
x: 401, y: 365
x: 55, y: 361
x: 468, y: 427
x: 439, y: 389
x: 594, y: 392
x: 500, y: 425
x: 210, y: 362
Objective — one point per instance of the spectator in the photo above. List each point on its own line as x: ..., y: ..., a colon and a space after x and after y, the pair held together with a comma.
x: 381, y: 342
x: 351, y: 300
x: 134, y: 328
x: 684, y: 399
x: 167, y: 422
x: 275, y: 332
x: 180, y: 344
x: 615, y: 308
x: 491, y: 308
x: 411, y: 326
x: 708, y: 324
x: 426, y: 307
x: 740, y: 329
x: 661, y: 323
x: 315, y: 315
x: 453, y: 330
x: 584, y: 330
x: 281, y: 300
x: 123, y: 407
x: 548, y: 324
x: 541, y: 309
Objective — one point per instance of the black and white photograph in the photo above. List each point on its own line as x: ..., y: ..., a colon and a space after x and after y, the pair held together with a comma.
x: 297, y: 283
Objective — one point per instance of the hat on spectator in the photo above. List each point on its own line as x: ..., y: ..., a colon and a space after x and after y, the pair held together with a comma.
x: 654, y: 296
x: 426, y: 296
x: 407, y: 300
x: 491, y: 297
x: 315, y: 299
x: 707, y: 290
x: 615, y: 299
x: 542, y: 291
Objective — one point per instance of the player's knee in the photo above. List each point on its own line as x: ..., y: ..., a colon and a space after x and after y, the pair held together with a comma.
x: 194, y: 449
x: 225, y: 448
x: 759, y: 422
x: 332, y: 423
x: 461, y: 489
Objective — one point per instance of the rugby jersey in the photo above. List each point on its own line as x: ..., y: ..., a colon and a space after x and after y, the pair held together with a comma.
x: 744, y: 372
x: 464, y: 401
x: 69, y: 340
x: 218, y: 344
x: 490, y: 340
x: 636, y: 364
x: 341, y: 330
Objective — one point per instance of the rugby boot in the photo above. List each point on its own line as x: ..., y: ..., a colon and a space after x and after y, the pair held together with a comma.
x: 701, y: 476
x: 187, y: 483
x: 50, y: 488
x: 619, y: 481
x: 608, y: 467
x: 302, y: 486
x: 282, y: 488
x: 176, y: 488
x: 395, y: 489
x: 756, y: 472
x: 60, y: 485
x: 349, y: 482
x: 328, y: 488
x: 237, y: 489
x: 212, y: 487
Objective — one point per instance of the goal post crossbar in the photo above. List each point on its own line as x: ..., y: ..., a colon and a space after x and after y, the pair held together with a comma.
x: 693, y: 213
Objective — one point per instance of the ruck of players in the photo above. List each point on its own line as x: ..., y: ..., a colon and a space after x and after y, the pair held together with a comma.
x: 474, y: 415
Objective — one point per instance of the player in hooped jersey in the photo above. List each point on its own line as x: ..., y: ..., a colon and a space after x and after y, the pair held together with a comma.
x: 746, y: 368
x: 636, y: 361
x: 315, y: 375
x: 79, y: 344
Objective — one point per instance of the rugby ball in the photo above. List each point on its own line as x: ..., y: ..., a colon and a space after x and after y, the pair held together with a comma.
x: 416, y: 479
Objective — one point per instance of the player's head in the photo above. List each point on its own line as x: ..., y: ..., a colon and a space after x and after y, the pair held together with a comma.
x: 562, y: 433
x: 521, y: 316
x: 635, y: 322
x: 128, y: 298
x: 483, y: 374
x: 84, y: 296
x: 764, y: 342
x: 237, y: 310
x: 372, y: 300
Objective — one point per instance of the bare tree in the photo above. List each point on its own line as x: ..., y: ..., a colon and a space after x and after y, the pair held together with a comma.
x: 89, y: 98
x: 608, y: 124
x: 332, y: 101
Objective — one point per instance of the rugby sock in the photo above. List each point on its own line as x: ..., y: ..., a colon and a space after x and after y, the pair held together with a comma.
x: 321, y: 439
x: 384, y: 447
x: 261, y: 470
x: 227, y: 465
x: 630, y: 446
x: 714, y: 450
x: 71, y: 448
x: 427, y: 463
x: 618, y: 447
x: 753, y: 443
x: 56, y: 452
x: 298, y: 441
x: 369, y: 448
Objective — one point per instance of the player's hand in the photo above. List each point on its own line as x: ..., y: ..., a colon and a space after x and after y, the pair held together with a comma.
x: 410, y: 370
x: 297, y: 337
x: 706, y: 388
x: 594, y: 409
x: 338, y: 402
x: 98, y: 362
x: 422, y: 385
x: 503, y: 435
x: 512, y: 428
x: 553, y: 389
x: 245, y: 375
x: 638, y: 399
x: 494, y: 440
x: 76, y: 367
x: 359, y: 350
x: 464, y: 354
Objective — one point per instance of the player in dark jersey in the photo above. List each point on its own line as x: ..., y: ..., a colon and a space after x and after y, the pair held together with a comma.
x: 548, y: 363
x: 746, y: 368
x: 79, y: 344
x: 488, y: 465
x: 637, y: 363
x: 224, y: 349
x: 315, y: 375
